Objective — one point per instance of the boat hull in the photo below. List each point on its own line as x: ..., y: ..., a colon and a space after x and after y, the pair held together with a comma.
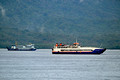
x: 96, y: 51
x: 9, y: 49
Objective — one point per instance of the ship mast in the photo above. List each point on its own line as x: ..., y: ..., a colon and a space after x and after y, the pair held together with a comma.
x: 76, y: 40
x: 15, y: 43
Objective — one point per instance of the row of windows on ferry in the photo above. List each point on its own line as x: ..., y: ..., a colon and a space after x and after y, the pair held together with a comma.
x: 77, y: 50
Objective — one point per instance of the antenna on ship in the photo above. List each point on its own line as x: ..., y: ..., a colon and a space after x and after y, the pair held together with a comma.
x: 16, y: 43
x: 76, y: 40
x: 100, y: 45
x: 76, y: 43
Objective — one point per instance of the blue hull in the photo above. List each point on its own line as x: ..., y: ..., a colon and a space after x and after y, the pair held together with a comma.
x: 9, y: 49
x: 96, y: 51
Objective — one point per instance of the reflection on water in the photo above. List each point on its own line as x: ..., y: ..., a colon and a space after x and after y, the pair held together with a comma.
x: 43, y: 65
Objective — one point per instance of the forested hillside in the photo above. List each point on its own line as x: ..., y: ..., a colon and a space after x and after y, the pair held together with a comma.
x: 45, y: 22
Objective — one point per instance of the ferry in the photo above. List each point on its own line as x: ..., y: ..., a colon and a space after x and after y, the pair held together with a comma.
x: 29, y: 47
x: 76, y: 49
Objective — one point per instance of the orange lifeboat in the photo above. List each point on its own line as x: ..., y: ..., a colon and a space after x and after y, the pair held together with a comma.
x: 76, y: 43
x: 56, y: 45
x: 60, y: 44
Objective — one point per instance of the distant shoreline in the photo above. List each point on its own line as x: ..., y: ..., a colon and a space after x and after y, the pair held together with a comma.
x: 50, y: 48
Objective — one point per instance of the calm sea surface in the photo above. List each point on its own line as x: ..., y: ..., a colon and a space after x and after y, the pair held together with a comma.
x: 43, y: 65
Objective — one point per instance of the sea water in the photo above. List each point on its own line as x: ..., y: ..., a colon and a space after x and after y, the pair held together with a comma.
x: 43, y: 65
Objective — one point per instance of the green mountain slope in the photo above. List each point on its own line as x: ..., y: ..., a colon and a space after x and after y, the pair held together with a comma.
x: 45, y: 22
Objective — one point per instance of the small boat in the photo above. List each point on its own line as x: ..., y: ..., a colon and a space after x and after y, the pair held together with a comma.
x: 29, y: 47
x: 76, y: 49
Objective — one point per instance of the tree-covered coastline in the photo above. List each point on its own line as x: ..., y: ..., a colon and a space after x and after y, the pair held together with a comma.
x: 46, y: 22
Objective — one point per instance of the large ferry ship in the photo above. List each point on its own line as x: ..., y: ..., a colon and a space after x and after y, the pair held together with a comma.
x: 29, y: 47
x: 76, y: 49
